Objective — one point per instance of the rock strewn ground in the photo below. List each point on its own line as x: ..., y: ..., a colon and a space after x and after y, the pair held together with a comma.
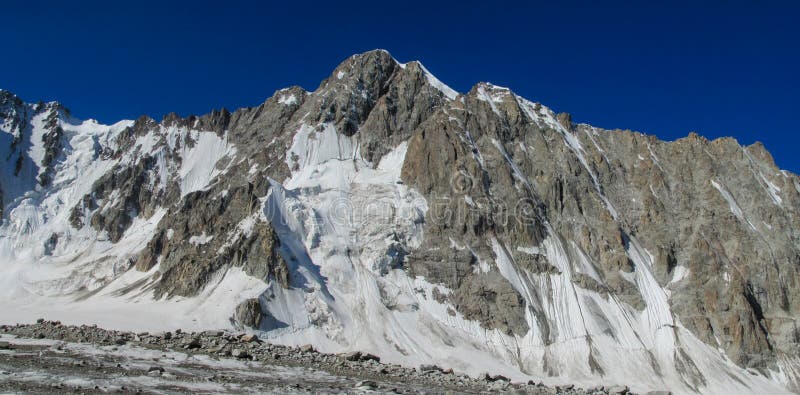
x: 48, y: 356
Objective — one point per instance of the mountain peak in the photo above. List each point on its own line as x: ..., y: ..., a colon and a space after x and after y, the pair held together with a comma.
x: 8, y: 97
x: 376, y: 52
x: 378, y: 58
x: 380, y: 63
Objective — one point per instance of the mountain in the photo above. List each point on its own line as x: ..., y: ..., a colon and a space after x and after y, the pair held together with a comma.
x: 385, y: 212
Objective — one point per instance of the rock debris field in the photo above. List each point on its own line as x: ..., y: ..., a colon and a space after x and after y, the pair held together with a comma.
x: 49, y: 357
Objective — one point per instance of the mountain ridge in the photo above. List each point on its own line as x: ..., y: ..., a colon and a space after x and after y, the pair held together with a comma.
x: 557, y: 245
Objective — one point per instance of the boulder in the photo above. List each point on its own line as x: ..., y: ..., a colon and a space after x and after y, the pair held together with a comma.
x: 249, y: 314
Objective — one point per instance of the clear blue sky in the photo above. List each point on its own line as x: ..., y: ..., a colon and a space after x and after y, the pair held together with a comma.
x: 666, y: 69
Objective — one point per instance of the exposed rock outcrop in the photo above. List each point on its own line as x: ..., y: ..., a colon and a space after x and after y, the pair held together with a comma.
x: 202, y: 236
x: 707, y: 211
x: 52, y: 140
x: 248, y: 313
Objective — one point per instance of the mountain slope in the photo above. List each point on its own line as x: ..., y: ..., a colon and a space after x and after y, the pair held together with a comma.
x: 385, y: 212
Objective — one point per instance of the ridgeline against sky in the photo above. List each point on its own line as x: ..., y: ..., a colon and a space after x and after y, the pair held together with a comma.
x: 717, y: 69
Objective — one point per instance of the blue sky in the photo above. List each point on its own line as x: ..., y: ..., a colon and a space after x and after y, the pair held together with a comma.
x: 727, y: 68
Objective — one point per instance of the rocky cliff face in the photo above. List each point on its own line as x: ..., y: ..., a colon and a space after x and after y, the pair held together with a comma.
x: 386, y: 212
x: 717, y: 221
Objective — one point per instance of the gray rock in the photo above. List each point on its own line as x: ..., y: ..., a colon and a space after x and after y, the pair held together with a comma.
x: 248, y: 338
x: 192, y: 343
x: 366, y: 384
x: 249, y: 313
x: 352, y: 356
x: 370, y: 357
x: 617, y: 390
x: 499, y: 377
x: 307, y: 348
x: 429, y: 368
